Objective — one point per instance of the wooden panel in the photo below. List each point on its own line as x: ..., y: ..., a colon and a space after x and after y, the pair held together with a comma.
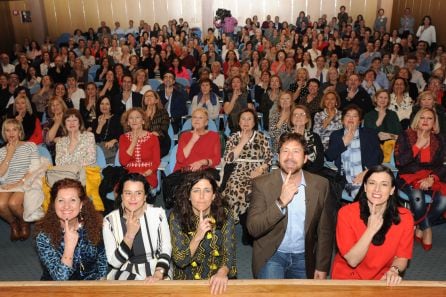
x: 7, y: 29
x: 51, y: 18
x: 436, y: 9
x: 105, y: 13
x: 77, y: 15
x: 134, y: 11
x: 92, y: 19
x: 314, y: 10
x: 120, y: 13
x: 64, y: 21
x: 239, y: 288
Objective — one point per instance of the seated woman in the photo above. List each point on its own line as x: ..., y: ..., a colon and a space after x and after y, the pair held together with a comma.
x: 385, y: 122
x: 300, y: 122
x: 249, y: 154
x: 198, y: 148
x: 400, y: 101
x: 53, y: 128
x: 107, y: 129
x: 87, y: 105
x: 139, y: 82
x: 111, y: 86
x: 312, y: 100
x: 419, y: 156
x: 329, y: 119
x: 136, y: 234
x: 77, y: 146
x: 68, y: 239
x: 269, y: 97
x: 157, y: 120
x: 353, y: 149
x: 203, y: 234
x: 17, y: 160
x: 22, y: 111
x: 207, y: 99
x: 139, y: 150
x: 427, y: 99
x: 236, y: 99
x: 374, y: 236
x: 179, y: 70
x: 279, y: 119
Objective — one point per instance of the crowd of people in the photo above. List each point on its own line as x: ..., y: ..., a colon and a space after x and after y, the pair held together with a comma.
x: 326, y: 101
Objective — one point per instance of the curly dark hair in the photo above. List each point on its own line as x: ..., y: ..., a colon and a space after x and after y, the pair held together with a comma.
x: 391, y: 214
x: 91, y: 219
x: 134, y: 177
x: 183, y: 207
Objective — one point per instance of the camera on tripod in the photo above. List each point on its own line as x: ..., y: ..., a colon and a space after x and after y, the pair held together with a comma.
x: 222, y: 13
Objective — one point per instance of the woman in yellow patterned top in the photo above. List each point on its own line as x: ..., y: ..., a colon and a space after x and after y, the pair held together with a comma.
x: 202, y: 233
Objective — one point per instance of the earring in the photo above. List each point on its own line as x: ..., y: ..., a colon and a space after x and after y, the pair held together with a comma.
x: 81, y: 217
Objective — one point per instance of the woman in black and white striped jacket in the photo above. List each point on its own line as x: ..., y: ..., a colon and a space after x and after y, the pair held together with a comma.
x: 136, y: 234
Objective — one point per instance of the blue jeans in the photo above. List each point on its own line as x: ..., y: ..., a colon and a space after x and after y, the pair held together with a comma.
x: 419, y: 206
x: 284, y: 265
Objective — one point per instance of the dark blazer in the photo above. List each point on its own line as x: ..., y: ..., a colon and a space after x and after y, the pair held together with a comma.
x: 362, y: 99
x: 119, y: 108
x: 371, y: 153
x: 178, y: 107
x: 267, y: 224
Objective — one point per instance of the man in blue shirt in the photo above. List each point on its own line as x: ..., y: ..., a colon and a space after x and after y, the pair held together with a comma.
x: 291, y: 218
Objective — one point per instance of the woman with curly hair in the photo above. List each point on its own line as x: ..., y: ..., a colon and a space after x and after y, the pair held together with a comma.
x: 203, y: 234
x: 374, y: 236
x: 69, y: 238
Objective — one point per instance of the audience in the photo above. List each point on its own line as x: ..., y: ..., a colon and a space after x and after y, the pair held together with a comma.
x: 313, y: 61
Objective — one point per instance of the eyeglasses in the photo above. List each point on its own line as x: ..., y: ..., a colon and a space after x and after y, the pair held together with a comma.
x: 300, y: 114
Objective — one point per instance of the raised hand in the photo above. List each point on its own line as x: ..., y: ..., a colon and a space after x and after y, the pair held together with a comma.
x: 289, y: 189
x: 71, y: 236
x: 204, y: 226
x: 132, y: 225
x: 11, y: 147
x: 375, y: 220
x: 348, y: 137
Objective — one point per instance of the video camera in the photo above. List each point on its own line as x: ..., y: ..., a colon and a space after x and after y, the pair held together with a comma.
x: 222, y: 13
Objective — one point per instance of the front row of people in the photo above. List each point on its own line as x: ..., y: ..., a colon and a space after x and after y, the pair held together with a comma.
x: 374, y: 237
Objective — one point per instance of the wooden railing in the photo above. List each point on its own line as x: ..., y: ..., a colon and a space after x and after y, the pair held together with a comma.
x: 239, y: 288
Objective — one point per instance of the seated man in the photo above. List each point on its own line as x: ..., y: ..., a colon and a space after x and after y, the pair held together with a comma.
x: 174, y: 99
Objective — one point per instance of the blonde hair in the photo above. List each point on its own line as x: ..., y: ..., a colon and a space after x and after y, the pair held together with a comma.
x: 62, y: 103
x: 29, y: 108
x: 417, y: 117
x: 338, y: 99
x: 425, y: 94
x: 17, y: 124
x: 201, y: 109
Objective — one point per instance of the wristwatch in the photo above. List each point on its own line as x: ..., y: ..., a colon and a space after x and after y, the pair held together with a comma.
x: 161, y: 269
